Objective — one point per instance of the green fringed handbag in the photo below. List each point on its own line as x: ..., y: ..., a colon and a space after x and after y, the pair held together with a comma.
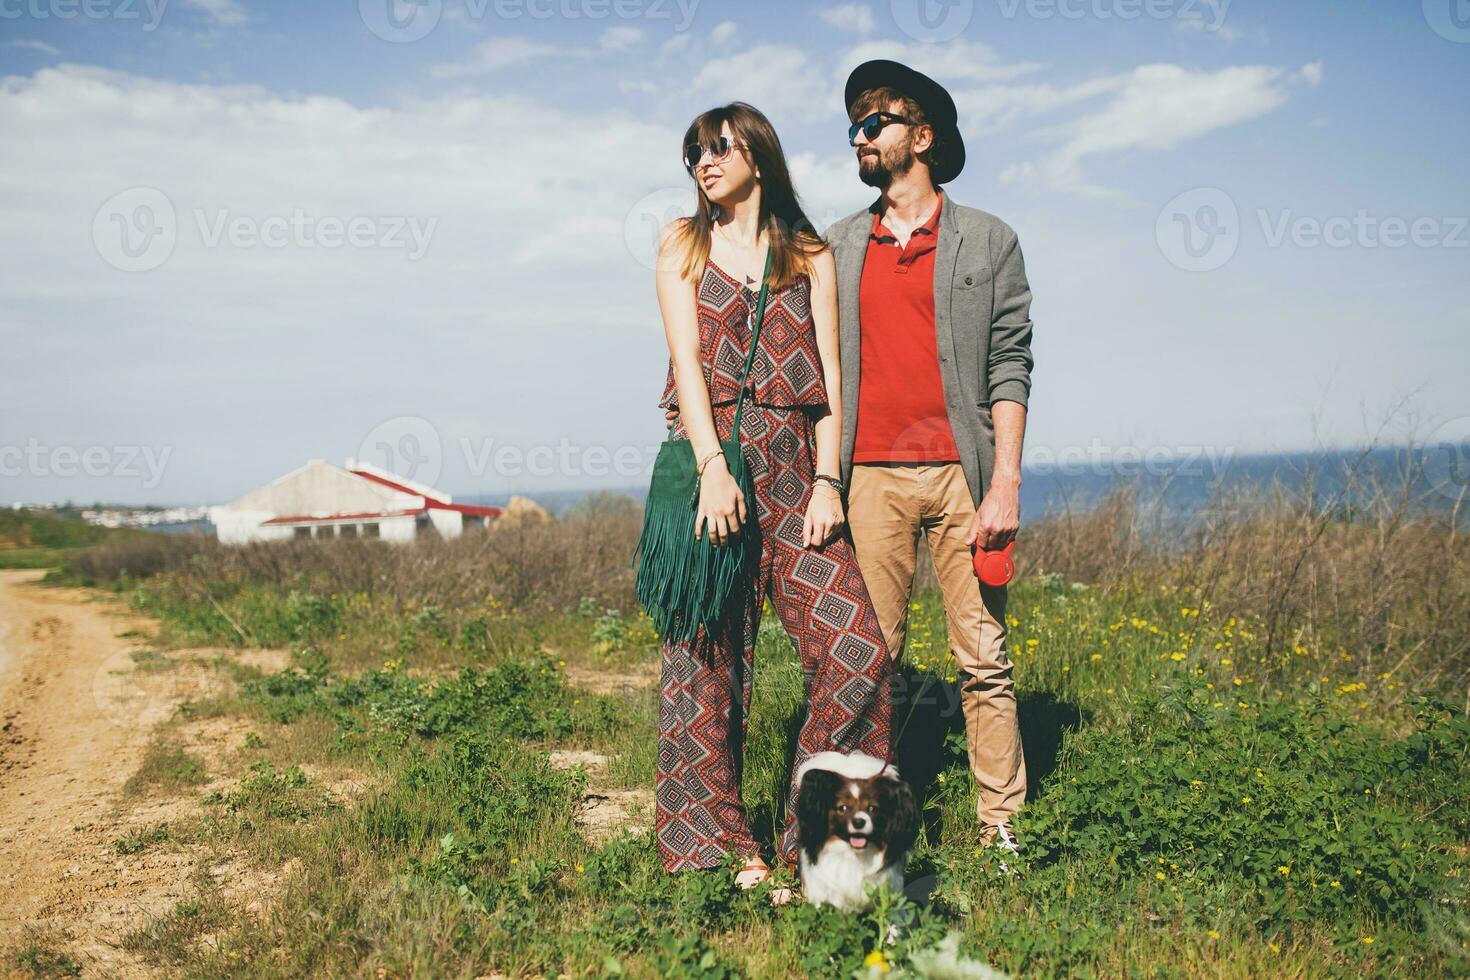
x: 685, y: 582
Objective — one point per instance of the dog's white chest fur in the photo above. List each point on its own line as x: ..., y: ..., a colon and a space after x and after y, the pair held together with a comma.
x: 841, y: 873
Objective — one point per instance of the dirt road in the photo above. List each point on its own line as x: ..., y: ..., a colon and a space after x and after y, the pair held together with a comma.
x: 75, y: 721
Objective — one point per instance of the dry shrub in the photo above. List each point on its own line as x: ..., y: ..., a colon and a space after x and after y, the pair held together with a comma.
x: 1374, y: 569
x: 1371, y: 571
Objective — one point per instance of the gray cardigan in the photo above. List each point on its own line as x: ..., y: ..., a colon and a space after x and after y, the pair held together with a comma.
x: 982, y: 319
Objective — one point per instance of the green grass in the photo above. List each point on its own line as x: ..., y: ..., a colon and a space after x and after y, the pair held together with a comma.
x: 37, y: 539
x: 1176, y: 767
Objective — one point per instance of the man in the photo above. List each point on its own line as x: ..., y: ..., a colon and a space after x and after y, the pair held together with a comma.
x: 936, y: 365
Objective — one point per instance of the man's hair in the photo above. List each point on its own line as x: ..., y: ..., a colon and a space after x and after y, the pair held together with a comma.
x: 879, y: 99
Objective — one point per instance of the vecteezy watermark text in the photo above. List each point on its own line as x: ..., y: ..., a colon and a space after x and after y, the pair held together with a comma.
x: 1099, y: 459
x: 137, y: 230
x: 36, y: 459
x: 150, y: 12
x: 937, y: 21
x: 303, y: 229
x: 1200, y: 230
x: 405, y: 21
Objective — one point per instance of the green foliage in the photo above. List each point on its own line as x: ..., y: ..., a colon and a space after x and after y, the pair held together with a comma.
x: 279, y: 795
x: 42, y: 961
x: 687, y: 956
x: 26, y: 528
x: 514, y: 699
x: 1288, y: 809
x: 140, y: 840
x: 609, y: 633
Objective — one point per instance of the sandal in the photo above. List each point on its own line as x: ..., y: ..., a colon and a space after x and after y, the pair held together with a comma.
x: 755, y: 866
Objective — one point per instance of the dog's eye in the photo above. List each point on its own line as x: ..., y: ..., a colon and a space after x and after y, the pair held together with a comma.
x: 842, y: 808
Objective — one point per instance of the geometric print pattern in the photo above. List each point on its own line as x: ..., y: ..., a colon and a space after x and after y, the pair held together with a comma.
x: 705, y: 685
x: 788, y: 367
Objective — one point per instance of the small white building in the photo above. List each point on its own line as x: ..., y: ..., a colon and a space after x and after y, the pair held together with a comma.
x: 320, y: 500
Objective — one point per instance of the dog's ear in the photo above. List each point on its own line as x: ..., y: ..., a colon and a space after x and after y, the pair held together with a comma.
x: 814, y: 799
x: 897, y: 801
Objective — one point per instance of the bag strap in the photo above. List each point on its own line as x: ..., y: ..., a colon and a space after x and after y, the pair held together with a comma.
x: 755, y: 333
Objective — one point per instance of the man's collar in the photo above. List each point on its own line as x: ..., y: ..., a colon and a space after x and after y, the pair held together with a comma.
x: 930, y: 227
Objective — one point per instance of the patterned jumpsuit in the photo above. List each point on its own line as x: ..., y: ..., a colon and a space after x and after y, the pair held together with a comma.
x: 819, y: 594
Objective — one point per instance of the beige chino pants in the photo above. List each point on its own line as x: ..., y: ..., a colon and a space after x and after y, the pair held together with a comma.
x: 890, y: 505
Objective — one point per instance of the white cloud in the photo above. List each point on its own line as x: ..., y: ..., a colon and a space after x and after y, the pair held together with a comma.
x: 530, y: 259
x: 1311, y: 73
x: 30, y: 45
x: 958, y: 60
x: 854, y: 17
x: 722, y: 32
x: 994, y: 108
x: 675, y: 44
x: 225, y: 13
x: 775, y: 78
x: 620, y: 38
x: 1153, y: 107
x: 498, y: 53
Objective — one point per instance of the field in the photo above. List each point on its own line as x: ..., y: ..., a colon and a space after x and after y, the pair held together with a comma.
x: 1247, y: 743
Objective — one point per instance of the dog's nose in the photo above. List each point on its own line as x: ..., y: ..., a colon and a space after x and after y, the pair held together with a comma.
x: 860, y: 821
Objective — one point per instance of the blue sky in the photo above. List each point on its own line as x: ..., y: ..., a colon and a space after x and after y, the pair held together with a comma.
x: 1169, y: 167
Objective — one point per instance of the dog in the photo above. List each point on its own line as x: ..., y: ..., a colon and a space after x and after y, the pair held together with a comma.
x: 856, y: 821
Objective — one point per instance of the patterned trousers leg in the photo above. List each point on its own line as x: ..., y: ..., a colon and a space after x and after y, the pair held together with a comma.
x: 705, y: 686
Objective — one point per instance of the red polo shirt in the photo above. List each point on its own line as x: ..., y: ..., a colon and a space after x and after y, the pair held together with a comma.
x: 901, y: 413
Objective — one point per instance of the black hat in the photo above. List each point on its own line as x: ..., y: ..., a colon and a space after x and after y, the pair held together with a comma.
x: 931, y: 97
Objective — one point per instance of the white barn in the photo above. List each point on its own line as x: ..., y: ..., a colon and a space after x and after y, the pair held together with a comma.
x: 320, y: 500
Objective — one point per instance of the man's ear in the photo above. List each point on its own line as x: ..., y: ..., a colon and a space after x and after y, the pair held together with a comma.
x: 924, y: 139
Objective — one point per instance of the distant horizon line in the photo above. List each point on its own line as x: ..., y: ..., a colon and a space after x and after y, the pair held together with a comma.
x: 1047, y: 471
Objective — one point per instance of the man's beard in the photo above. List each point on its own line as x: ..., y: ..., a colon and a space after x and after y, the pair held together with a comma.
x: 878, y: 171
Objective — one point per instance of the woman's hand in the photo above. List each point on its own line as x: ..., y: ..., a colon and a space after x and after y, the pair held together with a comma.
x: 823, y: 515
x: 721, y: 504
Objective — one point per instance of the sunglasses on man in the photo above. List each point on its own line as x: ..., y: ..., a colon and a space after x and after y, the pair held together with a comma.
x: 872, y: 124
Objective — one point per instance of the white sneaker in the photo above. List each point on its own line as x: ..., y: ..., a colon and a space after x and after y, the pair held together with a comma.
x: 1005, y: 840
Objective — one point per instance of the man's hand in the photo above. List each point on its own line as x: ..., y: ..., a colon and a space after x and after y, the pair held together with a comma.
x: 673, y: 416
x: 999, y: 516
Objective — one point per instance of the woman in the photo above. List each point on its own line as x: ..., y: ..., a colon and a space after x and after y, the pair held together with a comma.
x: 708, y: 282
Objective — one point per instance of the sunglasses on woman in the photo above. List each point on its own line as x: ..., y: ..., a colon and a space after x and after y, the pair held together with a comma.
x: 718, y: 149
x: 872, y: 124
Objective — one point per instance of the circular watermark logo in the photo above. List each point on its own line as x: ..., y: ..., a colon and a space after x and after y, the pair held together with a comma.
x: 1450, y: 19
x: 1447, y: 458
x: 1199, y: 230
x: 406, y: 445
x: 932, y: 21
x: 400, y: 21
x: 135, y: 230
x: 647, y: 217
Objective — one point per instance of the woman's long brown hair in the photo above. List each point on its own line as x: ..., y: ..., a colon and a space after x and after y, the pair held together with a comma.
x: 792, y: 237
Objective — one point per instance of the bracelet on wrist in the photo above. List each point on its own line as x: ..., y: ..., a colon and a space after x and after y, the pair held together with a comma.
x: 706, y: 461
x: 831, y: 481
